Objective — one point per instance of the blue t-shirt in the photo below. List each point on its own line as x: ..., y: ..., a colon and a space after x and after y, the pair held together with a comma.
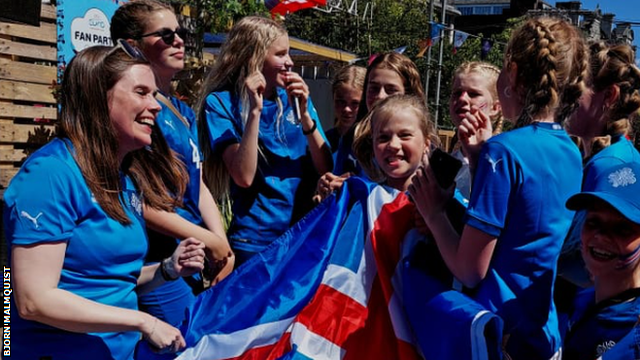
x: 596, y: 328
x: 571, y: 264
x: 49, y: 201
x: 267, y: 208
x: 183, y: 139
x: 522, y: 182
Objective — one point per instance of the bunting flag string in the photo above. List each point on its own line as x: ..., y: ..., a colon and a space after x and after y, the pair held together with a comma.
x: 459, y: 38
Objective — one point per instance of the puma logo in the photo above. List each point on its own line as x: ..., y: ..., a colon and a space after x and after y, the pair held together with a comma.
x: 34, y: 220
x: 170, y: 124
x: 492, y: 162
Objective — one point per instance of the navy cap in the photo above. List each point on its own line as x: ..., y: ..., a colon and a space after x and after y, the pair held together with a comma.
x: 618, y: 185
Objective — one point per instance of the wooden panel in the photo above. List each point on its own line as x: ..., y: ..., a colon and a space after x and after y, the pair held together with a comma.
x: 13, y: 70
x: 8, y: 109
x: 6, y: 173
x: 45, y: 32
x: 19, y: 133
x: 9, y: 154
x: 48, y: 12
x: 38, y: 52
x: 15, y: 90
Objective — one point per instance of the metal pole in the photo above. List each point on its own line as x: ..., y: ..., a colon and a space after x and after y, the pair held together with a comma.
x: 428, y: 74
x: 444, y: 6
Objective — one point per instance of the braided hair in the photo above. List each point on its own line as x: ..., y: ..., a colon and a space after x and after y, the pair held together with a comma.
x: 554, y: 83
x: 611, y: 66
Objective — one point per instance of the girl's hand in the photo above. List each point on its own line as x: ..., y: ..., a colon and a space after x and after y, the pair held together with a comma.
x: 187, y: 259
x: 327, y: 184
x: 163, y: 337
x: 296, y: 87
x: 430, y: 199
x: 474, y: 130
x: 255, y: 84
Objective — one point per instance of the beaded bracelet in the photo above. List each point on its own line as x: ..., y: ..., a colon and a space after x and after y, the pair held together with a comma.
x: 164, y: 272
x: 313, y: 128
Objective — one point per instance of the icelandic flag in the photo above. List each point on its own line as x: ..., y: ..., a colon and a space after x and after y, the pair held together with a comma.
x: 328, y: 288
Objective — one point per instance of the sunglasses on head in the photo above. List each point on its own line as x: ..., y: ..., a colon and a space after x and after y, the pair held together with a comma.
x: 130, y: 50
x: 168, y: 35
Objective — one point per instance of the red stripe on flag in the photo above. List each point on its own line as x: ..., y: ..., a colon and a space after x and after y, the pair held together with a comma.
x: 267, y: 352
x: 395, y: 220
x: 377, y: 339
x: 332, y: 315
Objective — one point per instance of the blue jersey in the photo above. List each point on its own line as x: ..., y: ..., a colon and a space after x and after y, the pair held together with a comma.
x: 522, y: 182
x: 596, y: 328
x: 49, y: 201
x: 268, y: 207
x: 571, y: 264
x: 183, y: 139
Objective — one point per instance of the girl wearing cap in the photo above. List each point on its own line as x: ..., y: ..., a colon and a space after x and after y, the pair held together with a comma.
x: 610, y: 240
x: 152, y: 27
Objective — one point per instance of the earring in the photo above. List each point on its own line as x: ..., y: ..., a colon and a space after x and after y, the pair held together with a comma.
x: 507, y: 91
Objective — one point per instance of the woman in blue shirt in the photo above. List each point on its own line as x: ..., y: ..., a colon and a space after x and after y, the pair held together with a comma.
x: 73, y: 217
x: 152, y: 27
x: 259, y: 128
x: 516, y: 219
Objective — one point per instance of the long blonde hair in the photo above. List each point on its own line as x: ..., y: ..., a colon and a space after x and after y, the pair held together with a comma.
x: 241, y: 55
x: 552, y: 66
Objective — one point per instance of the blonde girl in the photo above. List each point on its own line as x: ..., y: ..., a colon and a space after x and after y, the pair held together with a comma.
x: 474, y: 89
x: 259, y: 129
x: 390, y: 141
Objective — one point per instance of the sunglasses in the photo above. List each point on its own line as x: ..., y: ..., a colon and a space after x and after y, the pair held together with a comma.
x: 130, y: 50
x: 168, y: 35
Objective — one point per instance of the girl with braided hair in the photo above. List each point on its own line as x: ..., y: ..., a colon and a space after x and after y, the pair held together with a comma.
x: 601, y: 315
x: 602, y: 124
x: 516, y: 219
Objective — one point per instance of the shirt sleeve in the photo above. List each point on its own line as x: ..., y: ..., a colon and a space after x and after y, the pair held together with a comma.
x: 495, y: 177
x: 223, y: 128
x: 39, y: 203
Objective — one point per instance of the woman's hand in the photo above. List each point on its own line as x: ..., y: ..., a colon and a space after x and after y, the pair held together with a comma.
x: 327, y: 184
x: 255, y: 84
x: 163, y: 337
x: 474, y: 130
x: 187, y: 259
x: 430, y: 199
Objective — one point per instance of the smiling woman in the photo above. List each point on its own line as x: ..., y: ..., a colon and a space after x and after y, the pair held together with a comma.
x: 73, y: 217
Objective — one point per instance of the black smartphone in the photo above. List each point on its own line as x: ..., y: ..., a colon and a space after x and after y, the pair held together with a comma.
x: 445, y: 167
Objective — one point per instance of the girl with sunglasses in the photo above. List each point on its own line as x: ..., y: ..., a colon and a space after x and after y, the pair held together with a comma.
x: 73, y: 219
x: 152, y: 27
